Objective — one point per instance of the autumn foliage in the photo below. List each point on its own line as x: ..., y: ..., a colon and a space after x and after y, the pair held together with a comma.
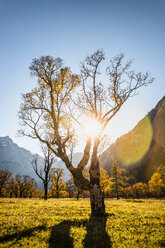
x: 118, y: 185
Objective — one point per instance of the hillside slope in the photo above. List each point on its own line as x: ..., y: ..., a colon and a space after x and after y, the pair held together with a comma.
x: 142, y: 150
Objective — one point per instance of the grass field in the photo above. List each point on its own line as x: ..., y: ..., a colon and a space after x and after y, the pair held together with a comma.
x: 67, y: 223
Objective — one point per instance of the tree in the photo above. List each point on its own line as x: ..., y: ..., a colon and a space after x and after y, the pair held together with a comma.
x: 4, y: 177
x: 105, y: 181
x: 20, y: 182
x: 119, y: 180
x: 13, y: 187
x: 116, y: 178
x: 30, y: 187
x: 128, y: 192
x: 44, y: 174
x: 140, y: 190
x: 157, y: 182
x: 45, y: 111
x: 57, y: 184
x: 26, y: 184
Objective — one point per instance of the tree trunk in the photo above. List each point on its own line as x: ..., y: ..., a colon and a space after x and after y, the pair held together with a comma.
x: 77, y: 196
x: 78, y: 193
x: 117, y: 192
x: 46, y: 191
x: 97, y: 200
x: 0, y: 191
x: 96, y: 194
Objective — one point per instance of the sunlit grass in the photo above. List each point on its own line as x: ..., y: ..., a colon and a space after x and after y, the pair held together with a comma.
x: 65, y: 223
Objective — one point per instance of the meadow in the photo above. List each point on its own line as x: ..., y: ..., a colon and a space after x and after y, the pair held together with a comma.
x: 67, y: 223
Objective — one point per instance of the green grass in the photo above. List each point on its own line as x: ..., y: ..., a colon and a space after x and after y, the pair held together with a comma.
x: 67, y: 223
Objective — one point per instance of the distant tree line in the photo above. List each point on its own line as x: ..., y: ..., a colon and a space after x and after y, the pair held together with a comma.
x: 119, y: 185
x: 17, y: 186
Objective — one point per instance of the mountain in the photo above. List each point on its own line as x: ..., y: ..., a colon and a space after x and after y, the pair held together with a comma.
x: 18, y: 160
x: 141, y: 150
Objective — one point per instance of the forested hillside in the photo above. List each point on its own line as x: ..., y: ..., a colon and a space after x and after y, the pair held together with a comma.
x: 142, y: 150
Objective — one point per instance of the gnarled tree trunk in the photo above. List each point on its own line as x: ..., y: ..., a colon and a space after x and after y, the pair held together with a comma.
x: 96, y: 194
x: 96, y: 199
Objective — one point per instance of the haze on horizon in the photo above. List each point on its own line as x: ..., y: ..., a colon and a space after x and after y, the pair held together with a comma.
x: 71, y: 30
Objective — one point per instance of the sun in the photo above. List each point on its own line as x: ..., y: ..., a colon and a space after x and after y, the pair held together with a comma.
x: 92, y: 128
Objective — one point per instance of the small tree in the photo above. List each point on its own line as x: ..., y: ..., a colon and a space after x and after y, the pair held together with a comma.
x: 105, y: 181
x: 21, y: 183
x: 115, y: 172
x: 26, y: 185
x: 157, y: 182
x: 4, y: 177
x: 57, y: 184
x: 13, y: 187
x: 140, y: 190
x: 119, y: 179
x: 128, y: 192
x: 30, y: 187
x: 44, y: 174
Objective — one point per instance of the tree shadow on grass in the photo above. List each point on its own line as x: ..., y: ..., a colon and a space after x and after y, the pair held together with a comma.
x: 96, y: 236
x: 22, y: 234
x: 161, y: 243
x: 60, y: 235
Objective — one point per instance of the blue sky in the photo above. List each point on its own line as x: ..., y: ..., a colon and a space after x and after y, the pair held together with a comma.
x: 71, y: 30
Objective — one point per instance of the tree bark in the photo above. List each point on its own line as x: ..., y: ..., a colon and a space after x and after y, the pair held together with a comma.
x: 21, y: 193
x: 117, y: 193
x: 96, y: 199
x: 46, y: 191
x: 78, y: 193
x: 96, y: 194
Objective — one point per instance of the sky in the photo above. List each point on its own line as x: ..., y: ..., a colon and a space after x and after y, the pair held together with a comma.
x: 72, y: 30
